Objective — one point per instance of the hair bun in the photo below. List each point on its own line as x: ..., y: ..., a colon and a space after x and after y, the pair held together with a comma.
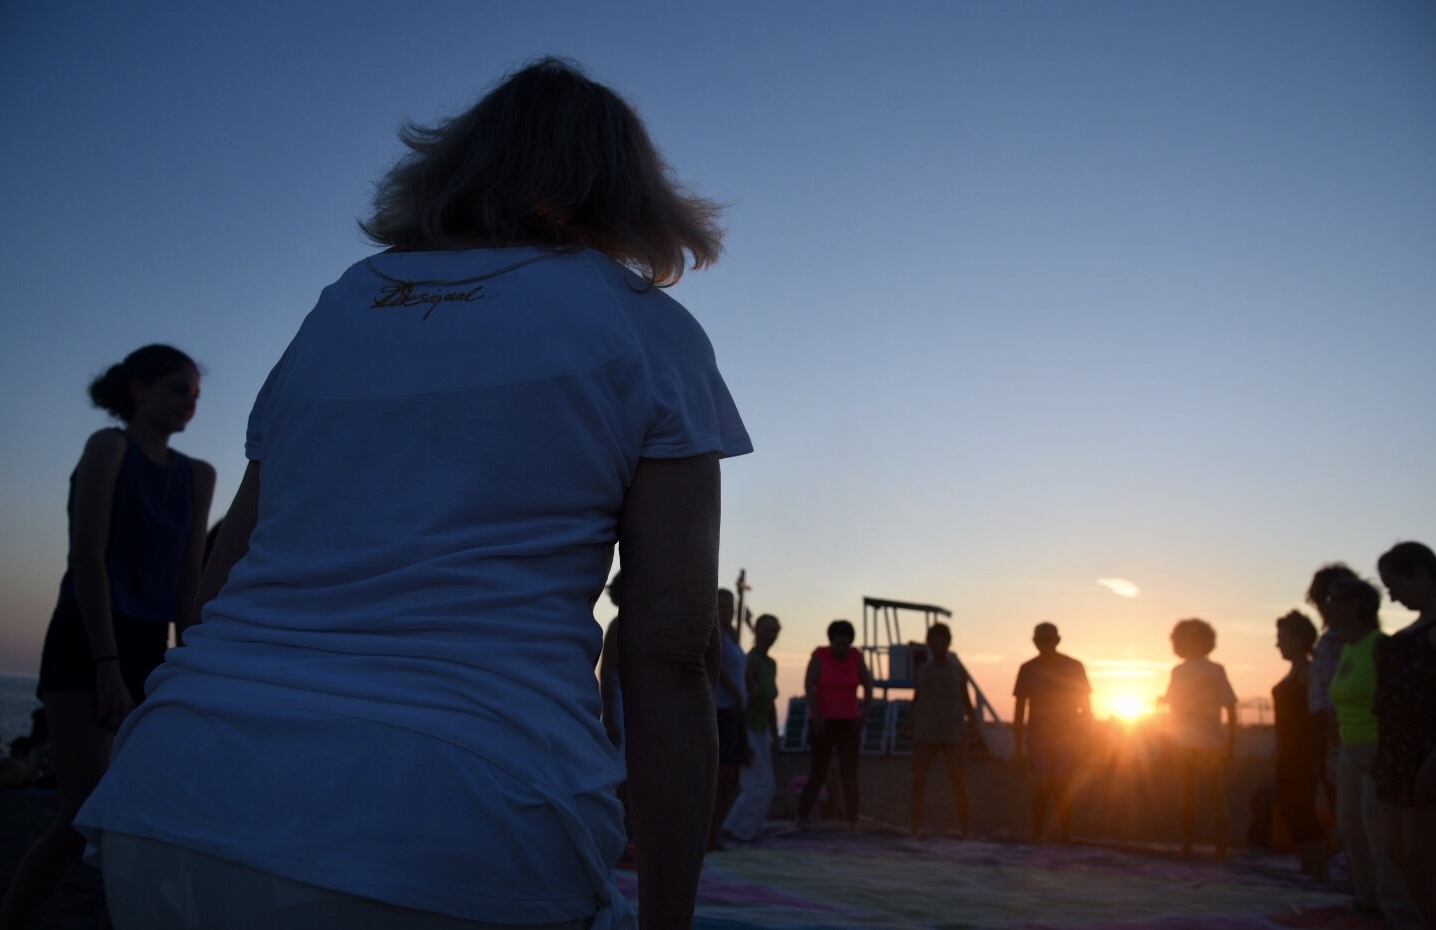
x: 147, y: 364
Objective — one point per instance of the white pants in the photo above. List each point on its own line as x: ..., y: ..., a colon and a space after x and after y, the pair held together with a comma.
x: 755, y: 790
x: 1374, y: 877
x: 152, y: 885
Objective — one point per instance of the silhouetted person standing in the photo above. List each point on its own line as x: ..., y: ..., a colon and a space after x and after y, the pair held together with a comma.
x: 1197, y: 697
x: 137, y: 512
x: 731, y: 701
x: 1377, y: 886
x: 1324, y: 659
x: 755, y: 782
x: 1297, y: 745
x: 834, y: 675
x: 1404, y: 767
x: 1054, y: 705
x: 941, y: 711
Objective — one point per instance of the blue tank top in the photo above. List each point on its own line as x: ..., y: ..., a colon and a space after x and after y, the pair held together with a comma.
x: 149, y: 527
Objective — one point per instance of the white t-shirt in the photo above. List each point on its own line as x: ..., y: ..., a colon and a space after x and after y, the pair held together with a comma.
x: 1198, y: 691
x: 394, y: 694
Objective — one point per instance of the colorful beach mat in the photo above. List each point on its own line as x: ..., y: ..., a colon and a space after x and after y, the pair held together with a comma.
x: 821, y: 880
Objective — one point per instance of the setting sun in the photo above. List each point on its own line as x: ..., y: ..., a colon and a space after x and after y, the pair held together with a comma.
x: 1128, y: 706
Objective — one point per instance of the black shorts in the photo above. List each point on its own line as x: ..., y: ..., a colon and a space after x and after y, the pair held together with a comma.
x: 732, y: 737
x: 66, y: 664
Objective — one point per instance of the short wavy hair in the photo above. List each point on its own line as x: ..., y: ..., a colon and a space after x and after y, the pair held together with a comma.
x: 1362, y: 593
x: 1299, y: 625
x: 1192, y: 639
x: 1322, y: 580
x: 547, y: 158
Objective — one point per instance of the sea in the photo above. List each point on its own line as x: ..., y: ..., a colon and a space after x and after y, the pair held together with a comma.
x: 17, y: 701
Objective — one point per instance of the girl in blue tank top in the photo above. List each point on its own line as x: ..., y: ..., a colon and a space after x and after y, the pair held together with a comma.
x: 137, y: 513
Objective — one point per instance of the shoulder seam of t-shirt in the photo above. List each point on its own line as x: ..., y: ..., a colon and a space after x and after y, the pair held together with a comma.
x: 623, y: 315
x: 716, y: 442
x: 639, y: 348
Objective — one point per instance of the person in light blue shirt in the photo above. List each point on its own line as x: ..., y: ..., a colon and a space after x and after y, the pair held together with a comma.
x: 731, y: 700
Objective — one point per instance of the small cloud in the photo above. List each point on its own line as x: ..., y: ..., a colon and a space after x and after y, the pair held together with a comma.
x: 1119, y: 586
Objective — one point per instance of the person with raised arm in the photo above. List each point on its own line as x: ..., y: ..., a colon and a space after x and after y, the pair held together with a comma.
x: 731, y: 700
x: 755, y: 783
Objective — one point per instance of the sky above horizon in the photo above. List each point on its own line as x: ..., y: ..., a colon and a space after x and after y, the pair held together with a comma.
x: 1104, y: 314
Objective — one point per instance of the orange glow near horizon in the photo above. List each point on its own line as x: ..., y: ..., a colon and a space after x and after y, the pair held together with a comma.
x: 1127, y: 706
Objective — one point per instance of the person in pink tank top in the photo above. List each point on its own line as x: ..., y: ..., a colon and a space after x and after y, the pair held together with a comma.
x: 834, y: 674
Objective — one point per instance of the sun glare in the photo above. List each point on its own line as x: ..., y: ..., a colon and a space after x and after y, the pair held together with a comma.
x: 1129, y: 707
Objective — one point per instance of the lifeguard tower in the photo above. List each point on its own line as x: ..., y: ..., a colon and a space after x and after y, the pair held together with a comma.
x: 893, y: 662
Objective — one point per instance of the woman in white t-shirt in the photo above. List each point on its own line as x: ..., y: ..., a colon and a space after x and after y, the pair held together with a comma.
x: 440, y: 466
x: 1197, y: 697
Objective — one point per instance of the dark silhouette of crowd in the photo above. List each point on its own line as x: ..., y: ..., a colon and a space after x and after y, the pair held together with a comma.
x: 1355, y: 732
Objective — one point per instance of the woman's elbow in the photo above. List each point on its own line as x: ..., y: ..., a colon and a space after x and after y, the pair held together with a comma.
x: 684, y: 652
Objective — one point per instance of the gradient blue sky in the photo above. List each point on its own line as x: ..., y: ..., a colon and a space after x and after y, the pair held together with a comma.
x: 1017, y: 297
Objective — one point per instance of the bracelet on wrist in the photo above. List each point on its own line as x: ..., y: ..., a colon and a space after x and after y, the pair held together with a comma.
x: 101, y: 659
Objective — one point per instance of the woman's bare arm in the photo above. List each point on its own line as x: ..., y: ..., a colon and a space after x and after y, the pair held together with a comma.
x: 232, y: 542
x: 810, y: 691
x: 194, y: 546
x: 668, y: 664
x: 867, y: 680
x: 1018, y: 725
x: 89, y: 541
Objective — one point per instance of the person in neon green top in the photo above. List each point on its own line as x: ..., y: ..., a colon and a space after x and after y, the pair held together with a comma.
x: 1353, y: 689
x: 755, y: 782
x: 1376, y: 885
